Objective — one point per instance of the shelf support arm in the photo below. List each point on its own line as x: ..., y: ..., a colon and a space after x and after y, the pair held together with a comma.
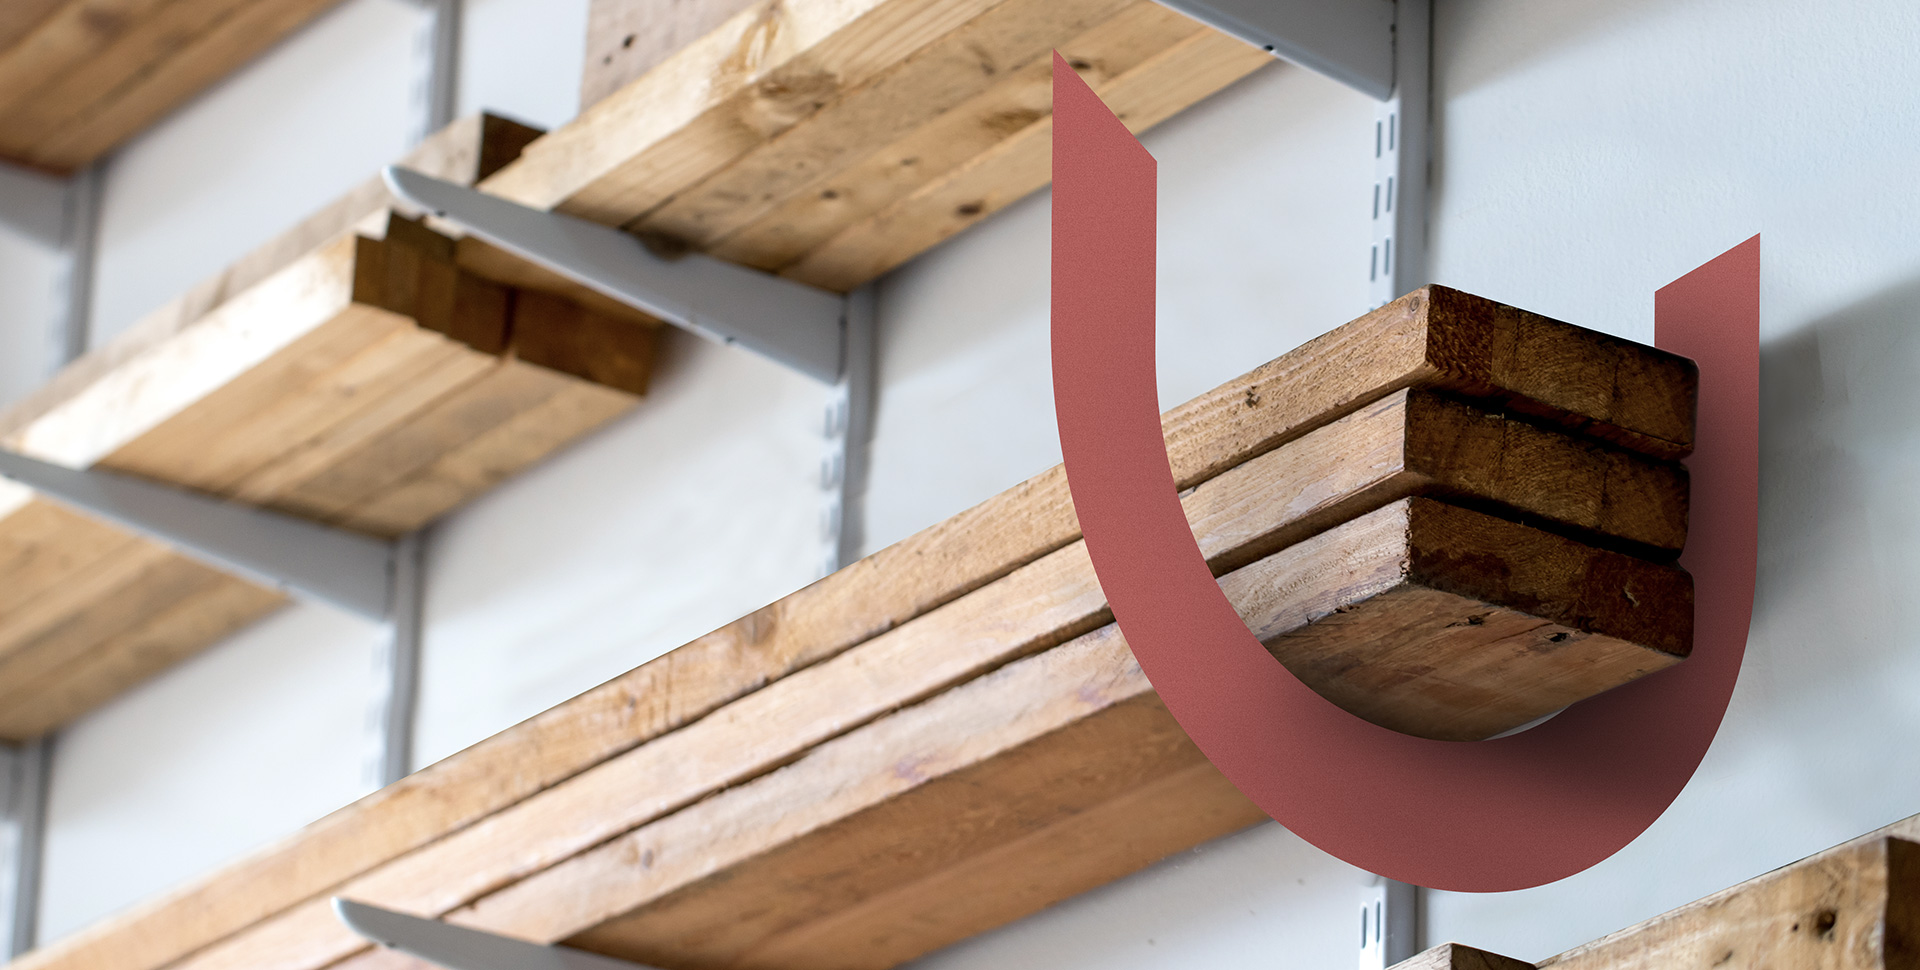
x: 460, y: 948
x: 791, y: 323
x: 305, y: 558
x: 1350, y: 41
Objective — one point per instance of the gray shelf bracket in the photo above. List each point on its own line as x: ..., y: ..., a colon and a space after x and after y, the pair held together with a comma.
x: 1389, y: 923
x: 1351, y: 41
x: 24, y: 772
x: 303, y: 558
x: 460, y: 948
x: 792, y: 323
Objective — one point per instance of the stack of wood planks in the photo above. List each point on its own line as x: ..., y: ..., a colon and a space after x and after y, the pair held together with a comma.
x: 371, y: 383
x: 832, y: 140
x: 1448, y: 515
x: 79, y: 77
x: 1853, y: 907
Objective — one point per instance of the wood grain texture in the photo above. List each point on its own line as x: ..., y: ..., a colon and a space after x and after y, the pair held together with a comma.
x: 1487, y: 670
x: 834, y: 139
x: 80, y: 78
x: 372, y: 384
x: 1853, y: 907
x: 996, y: 760
x: 1387, y: 350
x: 465, y: 151
x: 1453, y: 956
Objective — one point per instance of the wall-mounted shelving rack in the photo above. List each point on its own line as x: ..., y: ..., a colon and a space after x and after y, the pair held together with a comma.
x: 951, y: 734
x: 827, y: 142
x: 354, y: 373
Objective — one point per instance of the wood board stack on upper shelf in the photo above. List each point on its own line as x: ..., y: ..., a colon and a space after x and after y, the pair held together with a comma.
x: 78, y: 78
x: 951, y: 734
x: 1855, y: 906
x: 831, y: 141
x: 371, y: 383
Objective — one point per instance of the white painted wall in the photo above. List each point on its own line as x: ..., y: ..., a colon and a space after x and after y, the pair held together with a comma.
x: 1592, y: 152
x: 224, y: 754
x: 698, y: 508
x: 522, y: 59
x: 32, y: 276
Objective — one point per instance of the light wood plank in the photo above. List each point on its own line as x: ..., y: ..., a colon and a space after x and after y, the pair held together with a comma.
x: 1021, y: 96
x: 94, y: 74
x: 943, y: 75
x: 760, y: 73
x: 170, y: 632
x: 1431, y: 338
x: 1362, y: 462
x: 854, y: 815
x: 1854, y: 906
x: 1201, y: 65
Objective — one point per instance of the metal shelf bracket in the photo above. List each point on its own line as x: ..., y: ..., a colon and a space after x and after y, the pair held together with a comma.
x: 460, y: 948
x: 792, y: 323
x: 1351, y: 41
x: 305, y: 558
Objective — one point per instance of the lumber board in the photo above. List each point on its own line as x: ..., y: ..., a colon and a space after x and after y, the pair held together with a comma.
x: 1853, y: 906
x: 1454, y: 956
x: 1455, y: 342
x: 466, y: 151
x: 372, y: 384
x: 1364, y: 576
x: 898, y: 800
x: 831, y: 141
x: 80, y: 78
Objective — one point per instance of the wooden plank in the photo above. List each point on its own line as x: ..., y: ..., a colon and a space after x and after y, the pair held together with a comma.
x: 1451, y: 340
x: 912, y: 793
x: 1459, y: 628
x: 19, y: 18
x: 1359, y: 463
x: 92, y: 75
x: 835, y: 140
x: 466, y: 150
x: 44, y: 545
x: 1855, y: 906
x: 406, y: 449
x: 1453, y: 956
x: 1080, y: 852
x: 231, y: 342
x: 941, y: 76
x: 293, y: 385
x: 564, y: 336
x: 571, y: 411
x: 170, y: 632
x: 760, y: 73
x: 1021, y: 96
x: 1189, y: 71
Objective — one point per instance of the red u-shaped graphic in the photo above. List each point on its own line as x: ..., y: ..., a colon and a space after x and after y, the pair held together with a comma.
x: 1483, y: 816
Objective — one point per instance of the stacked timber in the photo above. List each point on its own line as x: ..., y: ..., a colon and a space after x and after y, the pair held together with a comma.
x: 78, y: 78
x: 1449, y: 515
x: 362, y: 370
x: 832, y: 140
x: 1853, y: 907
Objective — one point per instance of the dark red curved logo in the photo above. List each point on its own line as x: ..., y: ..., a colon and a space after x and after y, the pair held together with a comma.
x: 1507, y: 813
